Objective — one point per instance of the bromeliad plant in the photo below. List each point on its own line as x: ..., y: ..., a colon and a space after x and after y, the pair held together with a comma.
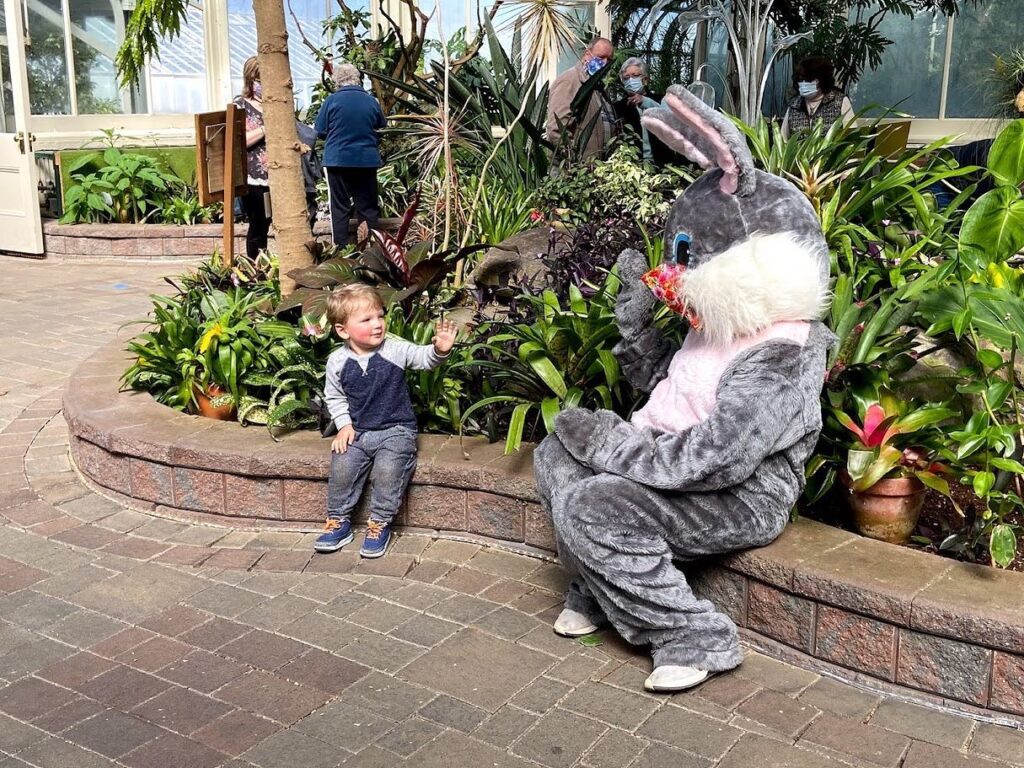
x: 891, y: 441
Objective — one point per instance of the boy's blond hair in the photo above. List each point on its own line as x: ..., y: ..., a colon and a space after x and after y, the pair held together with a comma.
x: 345, y: 300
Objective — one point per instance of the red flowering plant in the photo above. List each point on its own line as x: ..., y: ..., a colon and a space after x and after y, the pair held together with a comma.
x: 892, y: 440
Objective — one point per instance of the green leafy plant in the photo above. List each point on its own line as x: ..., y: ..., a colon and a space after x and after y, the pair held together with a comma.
x: 532, y: 370
x: 869, y: 204
x: 151, y: 22
x: 184, y: 208
x: 1006, y: 81
x: 286, y: 389
x: 993, y: 227
x: 165, y: 365
x: 89, y: 201
x: 494, y: 107
x: 233, y: 339
x: 502, y: 211
x: 400, y: 273
x: 602, y: 188
x: 128, y: 188
x: 985, y: 449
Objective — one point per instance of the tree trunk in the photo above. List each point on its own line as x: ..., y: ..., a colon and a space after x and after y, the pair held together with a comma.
x: 291, y: 223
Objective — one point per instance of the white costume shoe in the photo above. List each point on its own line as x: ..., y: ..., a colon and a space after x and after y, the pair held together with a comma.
x: 669, y: 679
x: 572, y: 624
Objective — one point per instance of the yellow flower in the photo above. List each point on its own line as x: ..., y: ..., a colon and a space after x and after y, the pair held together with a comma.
x: 215, y: 331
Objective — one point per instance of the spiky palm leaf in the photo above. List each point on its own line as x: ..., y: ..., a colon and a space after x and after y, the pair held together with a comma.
x: 428, y: 134
x: 550, y: 26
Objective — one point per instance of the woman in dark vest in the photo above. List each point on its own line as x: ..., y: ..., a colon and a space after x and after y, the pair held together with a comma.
x: 818, y: 98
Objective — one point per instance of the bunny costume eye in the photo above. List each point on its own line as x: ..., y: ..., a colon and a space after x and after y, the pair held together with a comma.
x: 680, y: 249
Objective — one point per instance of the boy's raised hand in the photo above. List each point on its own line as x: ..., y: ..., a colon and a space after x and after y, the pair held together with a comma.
x: 445, y: 332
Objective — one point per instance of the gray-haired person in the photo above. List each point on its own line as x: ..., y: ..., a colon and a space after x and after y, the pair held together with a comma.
x: 562, y: 126
x: 350, y: 121
x: 631, y: 107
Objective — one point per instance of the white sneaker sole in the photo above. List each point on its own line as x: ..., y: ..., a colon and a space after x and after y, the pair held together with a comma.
x: 563, y: 631
x: 675, y: 686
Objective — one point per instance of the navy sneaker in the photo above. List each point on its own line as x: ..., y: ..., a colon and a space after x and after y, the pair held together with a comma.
x: 378, y: 536
x: 337, y: 533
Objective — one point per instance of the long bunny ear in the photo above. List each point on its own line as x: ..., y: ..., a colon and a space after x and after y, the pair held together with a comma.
x: 705, y: 136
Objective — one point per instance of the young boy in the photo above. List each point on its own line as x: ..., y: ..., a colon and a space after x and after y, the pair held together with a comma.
x: 368, y: 400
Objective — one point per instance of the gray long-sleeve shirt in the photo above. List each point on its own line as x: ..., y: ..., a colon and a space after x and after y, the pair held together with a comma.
x: 369, y: 391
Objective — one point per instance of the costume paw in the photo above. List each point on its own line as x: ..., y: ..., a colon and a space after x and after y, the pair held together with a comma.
x: 577, y: 428
x: 670, y: 678
x: 572, y: 624
x: 634, y: 304
x: 632, y: 266
x: 583, y: 433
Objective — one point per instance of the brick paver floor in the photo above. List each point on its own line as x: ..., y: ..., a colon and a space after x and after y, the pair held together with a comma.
x: 130, y: 640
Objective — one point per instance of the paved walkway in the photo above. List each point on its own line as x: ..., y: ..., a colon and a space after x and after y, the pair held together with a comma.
x: 135, y: 641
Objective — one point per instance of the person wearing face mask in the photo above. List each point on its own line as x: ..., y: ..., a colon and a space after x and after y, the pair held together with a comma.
x: 817, y: 98
x: 631, y: 107
x: 561, y: 125
x: 255, y: 202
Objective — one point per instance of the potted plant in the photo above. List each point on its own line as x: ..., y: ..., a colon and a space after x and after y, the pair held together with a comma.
x: 889, y: 466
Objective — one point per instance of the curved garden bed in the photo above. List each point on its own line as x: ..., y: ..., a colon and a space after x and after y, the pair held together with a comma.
x: 870, y: 611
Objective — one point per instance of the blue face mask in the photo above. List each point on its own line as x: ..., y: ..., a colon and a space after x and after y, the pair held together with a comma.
x: 634, y: 85
x: 807, y: 89
x: 595, y: 65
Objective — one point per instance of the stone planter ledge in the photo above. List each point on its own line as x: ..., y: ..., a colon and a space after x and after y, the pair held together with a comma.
x: 151, y: 242
x: 876, y: 613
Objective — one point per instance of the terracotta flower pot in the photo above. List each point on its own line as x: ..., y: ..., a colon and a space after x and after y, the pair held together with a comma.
x: 888, y: 510
x: 206, y: 408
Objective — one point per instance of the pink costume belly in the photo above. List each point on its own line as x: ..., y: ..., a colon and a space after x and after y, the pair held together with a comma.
x: 687, y: 395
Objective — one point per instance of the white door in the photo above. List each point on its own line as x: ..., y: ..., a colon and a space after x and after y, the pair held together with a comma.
x: 21, y: 230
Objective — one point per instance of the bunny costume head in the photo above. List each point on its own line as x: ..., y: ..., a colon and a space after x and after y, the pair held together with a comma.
x: 750, y: 242
x: 714, y: 461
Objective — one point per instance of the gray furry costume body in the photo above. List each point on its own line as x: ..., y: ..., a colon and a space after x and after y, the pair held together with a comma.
x: 627, y: 500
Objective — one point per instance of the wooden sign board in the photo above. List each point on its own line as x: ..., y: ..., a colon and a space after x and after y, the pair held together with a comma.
x: 220, y: 156
x: 210, y: 159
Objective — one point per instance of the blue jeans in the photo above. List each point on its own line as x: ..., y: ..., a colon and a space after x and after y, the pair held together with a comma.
x: 388, y: 456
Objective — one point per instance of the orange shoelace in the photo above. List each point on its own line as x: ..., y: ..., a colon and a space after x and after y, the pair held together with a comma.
x: 331, y: 524
x: 374, y: 529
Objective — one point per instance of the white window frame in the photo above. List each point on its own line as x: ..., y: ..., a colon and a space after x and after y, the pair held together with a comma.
x: 54, y: 132
x: 961, y: 130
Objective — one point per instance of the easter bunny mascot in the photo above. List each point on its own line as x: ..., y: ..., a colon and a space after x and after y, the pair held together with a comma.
x: 715, y: 461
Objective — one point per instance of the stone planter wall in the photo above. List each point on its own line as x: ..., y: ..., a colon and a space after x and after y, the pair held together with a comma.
x: 870, y: 612
x: 191, y: 466
x: 150, y: 242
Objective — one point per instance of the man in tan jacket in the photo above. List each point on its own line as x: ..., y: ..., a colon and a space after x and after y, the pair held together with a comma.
x: 561, y: 125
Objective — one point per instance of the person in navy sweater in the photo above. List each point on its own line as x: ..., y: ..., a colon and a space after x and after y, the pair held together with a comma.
x: 350, y: 121
x: 368, y: 399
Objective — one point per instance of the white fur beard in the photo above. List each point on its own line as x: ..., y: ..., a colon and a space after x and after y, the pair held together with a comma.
x: 764, y: 280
